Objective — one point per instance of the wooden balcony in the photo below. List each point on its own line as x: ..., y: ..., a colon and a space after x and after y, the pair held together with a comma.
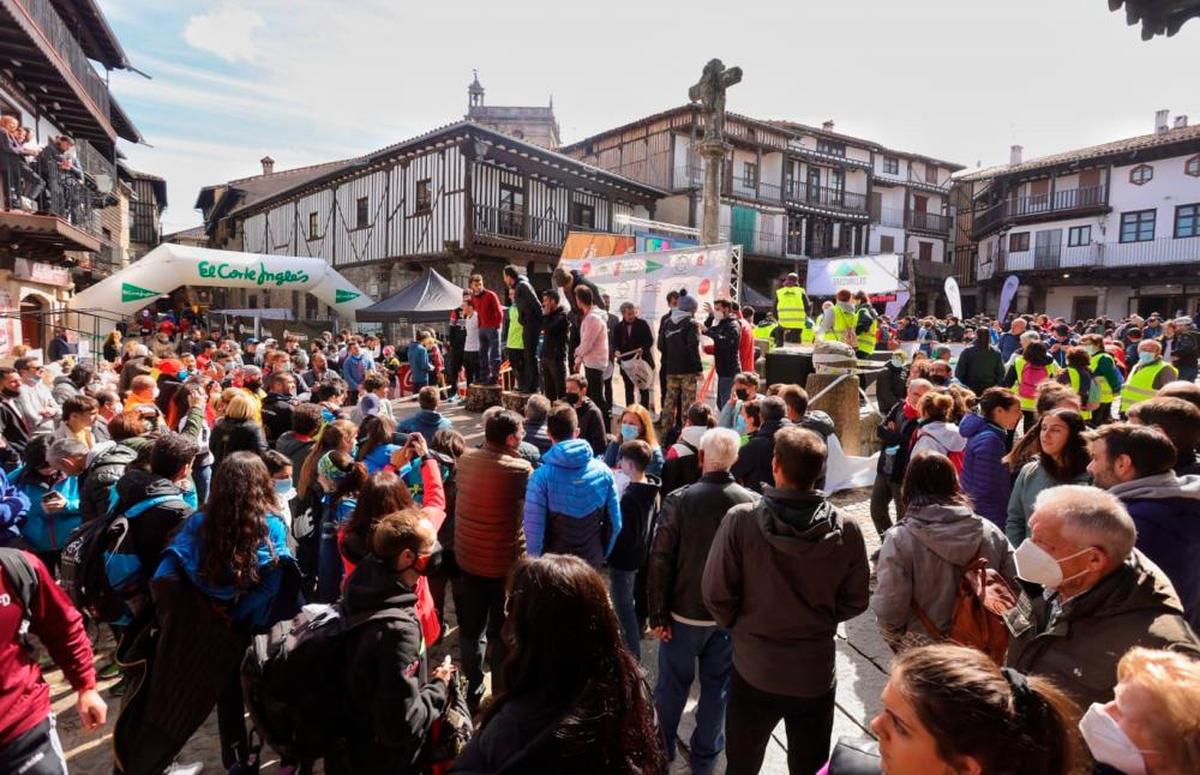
x: 928, y: 222
x: 1098, y: 255
x: 821, y: 196
x: 518, y: 226
x: 1068, y: 201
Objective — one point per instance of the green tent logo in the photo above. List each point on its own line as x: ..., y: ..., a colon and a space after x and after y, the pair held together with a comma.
x: 652, y: 266
x: 851, y: 270
x: 341, y: 296
x: 134, y: 293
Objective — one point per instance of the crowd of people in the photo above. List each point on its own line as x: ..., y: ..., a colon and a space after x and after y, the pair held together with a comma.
x: 216, y: 503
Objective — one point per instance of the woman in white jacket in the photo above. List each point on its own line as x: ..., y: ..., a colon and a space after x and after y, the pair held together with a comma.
x: 936, y: 432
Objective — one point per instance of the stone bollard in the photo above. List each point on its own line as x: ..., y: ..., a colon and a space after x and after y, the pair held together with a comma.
x: 480, y: 397
x: 514, y: 400
x: 841, y: 404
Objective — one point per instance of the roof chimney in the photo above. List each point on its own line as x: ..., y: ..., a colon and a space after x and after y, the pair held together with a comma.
x: 827, y: 125
x: 1160, y: 121
x: 268, y: 165
x: 1014, y: 154
x: 1181, y: 122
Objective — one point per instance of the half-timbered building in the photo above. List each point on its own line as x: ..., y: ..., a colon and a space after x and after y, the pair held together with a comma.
x: 1107, y: 230
x: 464, y: 198
x: 790, y: 191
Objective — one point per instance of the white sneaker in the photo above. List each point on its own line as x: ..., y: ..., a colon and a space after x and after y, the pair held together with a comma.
x: 184, y: 769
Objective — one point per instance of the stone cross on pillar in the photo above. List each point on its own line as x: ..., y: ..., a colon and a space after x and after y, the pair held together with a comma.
x: 710, y: 93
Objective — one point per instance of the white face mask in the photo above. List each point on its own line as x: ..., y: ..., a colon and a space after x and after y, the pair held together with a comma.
x: 1108, y: 742
x: 1037, y: 566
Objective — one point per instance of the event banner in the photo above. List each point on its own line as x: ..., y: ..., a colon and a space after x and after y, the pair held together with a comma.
x: 646, y: 278
x: 169, y: 266
x: 873, y: 274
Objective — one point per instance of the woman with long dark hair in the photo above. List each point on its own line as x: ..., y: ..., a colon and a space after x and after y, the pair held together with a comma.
x: 375, y: 446
x: 306, y: 526
x: 951, y: 709
x: 573, y: 704
x: 226, y: 575
x: 1057, y: 440
x: 985, y: 478
x: 923, y: 556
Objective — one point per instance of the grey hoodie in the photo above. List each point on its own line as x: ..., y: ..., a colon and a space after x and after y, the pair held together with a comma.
x: 922, y: 559
x: 781, y: 574
x: 1158, y: 487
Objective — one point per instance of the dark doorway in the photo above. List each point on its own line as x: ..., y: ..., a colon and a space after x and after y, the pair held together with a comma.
x: 1083, y: 308
x: 32, y: 331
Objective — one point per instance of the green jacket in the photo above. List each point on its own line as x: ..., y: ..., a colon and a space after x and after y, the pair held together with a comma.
x: 1032, y: 479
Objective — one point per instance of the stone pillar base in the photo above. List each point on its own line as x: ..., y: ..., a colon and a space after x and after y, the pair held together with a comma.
x: 841, y: 404
x: 480, y: 397
x: 514, y: 400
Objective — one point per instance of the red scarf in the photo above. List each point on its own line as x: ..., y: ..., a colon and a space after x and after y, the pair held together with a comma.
x: 909, y: 412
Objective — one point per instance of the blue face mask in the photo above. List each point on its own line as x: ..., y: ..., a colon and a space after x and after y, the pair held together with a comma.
x: 1145, y: 357
x: 628, y: 432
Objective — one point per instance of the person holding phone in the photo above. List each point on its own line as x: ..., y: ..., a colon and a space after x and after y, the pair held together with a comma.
x: 53, y: 503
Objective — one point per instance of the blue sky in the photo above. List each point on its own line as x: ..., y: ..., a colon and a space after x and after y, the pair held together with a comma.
x: 308, y: 81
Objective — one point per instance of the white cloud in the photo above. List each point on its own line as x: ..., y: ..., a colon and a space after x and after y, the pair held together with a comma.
x: 226, y: 32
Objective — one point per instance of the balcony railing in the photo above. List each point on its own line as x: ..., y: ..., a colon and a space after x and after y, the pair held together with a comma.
x: 688, y: 176
x: 64, y: 42
x: 826, y: 197
x: 47, y: 191
x: 1102, y: 255
x: 890, y: 216
x: 1061, y: 201
x: 927, y: 270
x: 928, y: 222
x: 758, y: 242
x: 795, y: 247
x: 519, y: 225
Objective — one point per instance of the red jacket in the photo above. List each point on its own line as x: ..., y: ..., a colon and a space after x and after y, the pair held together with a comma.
x: 746, y: 345
x: 24, y: 694
x: 487, y: 304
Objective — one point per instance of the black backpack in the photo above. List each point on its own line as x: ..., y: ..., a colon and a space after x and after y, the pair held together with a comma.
x: 99, y: 570
x: 292, y: 684
x: 23, y: 578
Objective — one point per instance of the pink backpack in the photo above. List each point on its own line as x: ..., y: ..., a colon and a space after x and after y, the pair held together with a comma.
x: 1031, y: 377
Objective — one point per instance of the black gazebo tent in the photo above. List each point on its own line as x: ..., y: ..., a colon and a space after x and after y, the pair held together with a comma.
x: 428, y: 298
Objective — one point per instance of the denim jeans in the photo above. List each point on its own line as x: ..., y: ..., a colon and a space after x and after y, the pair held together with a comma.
x: 712, y: 648
x: 329, y: 563
x: 621, y: 584
x: 724, y: 388
x: 489, y: 354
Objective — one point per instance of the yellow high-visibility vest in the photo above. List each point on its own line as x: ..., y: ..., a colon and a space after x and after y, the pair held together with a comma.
x: 766, y: 334
x: 790, y: 306
x: 1106, y: 391
x: 1140, y: 385
x: 809, y: 334
x: 516, y: 331
x: 1077, y: 380
x: 842, y: 322
x: 866, y: 339
x: 1030, y: 404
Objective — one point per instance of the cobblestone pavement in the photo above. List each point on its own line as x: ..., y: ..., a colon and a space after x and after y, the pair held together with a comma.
x: 862, y: 663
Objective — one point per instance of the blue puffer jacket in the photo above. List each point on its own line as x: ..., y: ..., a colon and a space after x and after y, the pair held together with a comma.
x: 252, y: 607
x: 419, y: 365
x: 379, y: 457
x: 984, y: 477
x: 427, y: 422
x: 566, y: 499
x: 46, y: 532
x: 15, y: 507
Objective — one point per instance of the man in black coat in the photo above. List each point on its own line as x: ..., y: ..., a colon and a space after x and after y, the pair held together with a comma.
x: 591, y: 419
x: 631, y: 334
x: 12, y: 423
x: 979, y: 366
x: 753, y: 466
x: 723, y: 327
x: 555, y: 332
x: 278, y: 405
x: 529, y: 312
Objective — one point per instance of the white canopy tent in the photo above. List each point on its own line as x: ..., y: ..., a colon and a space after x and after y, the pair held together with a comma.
x: 169, y: 266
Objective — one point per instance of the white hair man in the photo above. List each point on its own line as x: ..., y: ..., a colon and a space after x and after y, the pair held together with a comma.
x: 1101, y: 596
x: 689, y: 632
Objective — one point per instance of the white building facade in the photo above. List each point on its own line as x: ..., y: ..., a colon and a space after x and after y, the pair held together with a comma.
x: 1107, y: 231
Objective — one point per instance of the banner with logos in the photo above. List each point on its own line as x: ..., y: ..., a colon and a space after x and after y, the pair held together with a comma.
x: 169, y: 266
x: 873, y: 274
x: 646, y: 278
